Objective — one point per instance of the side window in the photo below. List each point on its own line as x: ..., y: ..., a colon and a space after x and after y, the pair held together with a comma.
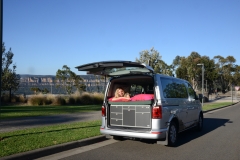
x: 180, y: 88
x: 136, y: 89
x: 168, y: 88
x: 190, y: 91
x: 149, y: 89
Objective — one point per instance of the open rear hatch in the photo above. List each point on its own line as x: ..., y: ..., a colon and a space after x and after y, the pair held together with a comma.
x: 115, y: 68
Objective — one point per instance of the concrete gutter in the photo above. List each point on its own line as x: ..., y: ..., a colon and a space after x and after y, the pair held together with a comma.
x: 42, y: 152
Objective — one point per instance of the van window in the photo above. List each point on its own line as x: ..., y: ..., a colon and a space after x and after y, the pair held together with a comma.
x: 136, y: 89
x: 173, y: 88
x: 190, y: 91
x: 180, y: 89
x: 168, y: 88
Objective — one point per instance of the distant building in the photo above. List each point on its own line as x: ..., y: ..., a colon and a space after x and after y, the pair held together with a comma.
x: 93, y: 84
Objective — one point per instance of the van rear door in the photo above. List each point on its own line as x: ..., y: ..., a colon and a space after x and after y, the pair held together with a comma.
x: 115, y: 68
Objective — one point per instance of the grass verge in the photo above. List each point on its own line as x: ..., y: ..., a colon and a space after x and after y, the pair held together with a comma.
x: 209, y: 106
x: 27, y: 111
x: 34, y: 138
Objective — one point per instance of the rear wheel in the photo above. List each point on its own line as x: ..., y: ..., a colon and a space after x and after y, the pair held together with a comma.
x: 172, y: 134
x: 199, y: 126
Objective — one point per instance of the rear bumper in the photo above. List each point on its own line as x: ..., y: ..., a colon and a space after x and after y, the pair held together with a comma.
x: 161, y: 134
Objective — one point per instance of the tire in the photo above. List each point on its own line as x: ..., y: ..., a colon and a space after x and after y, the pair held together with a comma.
x: 118, y: 138
x: 199, y: 126
x: 172, y: 134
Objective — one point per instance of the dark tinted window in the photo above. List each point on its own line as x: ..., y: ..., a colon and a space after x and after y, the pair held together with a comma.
x: 173, y: 88
x: 180, y: 89
x: 168, y: 88
x: 191, y: 91
x: 136, y: 89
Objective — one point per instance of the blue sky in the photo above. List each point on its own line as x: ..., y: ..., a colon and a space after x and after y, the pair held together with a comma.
x: 46, y: 34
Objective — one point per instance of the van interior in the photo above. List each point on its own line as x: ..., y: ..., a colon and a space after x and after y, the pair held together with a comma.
x: 140, y: 85
x: 134, y: 114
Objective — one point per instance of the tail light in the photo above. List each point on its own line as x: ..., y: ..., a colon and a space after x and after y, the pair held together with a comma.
x: 157, y: 112
x: 103, y: 111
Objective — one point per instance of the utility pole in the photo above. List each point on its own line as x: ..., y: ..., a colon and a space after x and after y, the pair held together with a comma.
x: 1, y: 41
x: 232, y: 92
x: 206, y: 86
x: 201, y: 64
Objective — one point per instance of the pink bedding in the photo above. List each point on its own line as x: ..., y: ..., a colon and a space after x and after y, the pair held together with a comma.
x: 139, y: 97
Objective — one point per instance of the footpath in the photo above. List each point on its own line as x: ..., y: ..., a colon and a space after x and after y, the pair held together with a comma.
x: 21, y: 123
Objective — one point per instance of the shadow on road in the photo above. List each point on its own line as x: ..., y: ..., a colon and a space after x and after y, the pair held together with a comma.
x: 209, y: 124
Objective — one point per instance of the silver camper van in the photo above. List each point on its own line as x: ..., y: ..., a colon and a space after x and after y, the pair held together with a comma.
x: 159, y: 108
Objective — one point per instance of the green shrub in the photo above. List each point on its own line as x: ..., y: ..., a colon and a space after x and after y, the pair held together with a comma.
x: 40, y: 99
x: 86, y: 98
x: 71, y: 100
x: 14, y: 98
x: 22, y: 99
x: 50, y: 99
x: 58, y: 100
x: 5, y: 98
x: 98, y: 98
x: 77, y: 98
x: 36, y: 100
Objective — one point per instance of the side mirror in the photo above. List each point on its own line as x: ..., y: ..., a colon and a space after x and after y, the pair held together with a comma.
x: 196, y: 97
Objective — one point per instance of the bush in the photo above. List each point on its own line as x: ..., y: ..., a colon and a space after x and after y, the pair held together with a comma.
x: 58, y: 100
x: 36, y: 100
x: 86, y: 98
x: 14, y: 98
x: 40, y: 99
x: 50, y: 99
x: 5, y: 98
x: 71, y: 100
x: 98, y: 98
x: 22, y: 99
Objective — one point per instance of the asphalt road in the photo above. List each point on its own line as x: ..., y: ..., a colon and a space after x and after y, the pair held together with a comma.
x: 220, y: 140
x: 39, y: 121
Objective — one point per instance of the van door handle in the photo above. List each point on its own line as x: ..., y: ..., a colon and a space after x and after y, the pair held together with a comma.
x: 190, y: 108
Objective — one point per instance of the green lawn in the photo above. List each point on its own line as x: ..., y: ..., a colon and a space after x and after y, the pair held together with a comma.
x: 209, y: 106
x: 34, y: 138
x: 27, y: 111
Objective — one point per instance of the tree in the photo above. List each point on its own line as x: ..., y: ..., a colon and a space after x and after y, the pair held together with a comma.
x: 189, y: 70
x: 187, y: 67
x: 153, y: 59
x: 10, y: 79
x: 45, y: 91
x: 226, y: 70
x: 236, y: 76
x: 35, y: 90
x: 68, y: 80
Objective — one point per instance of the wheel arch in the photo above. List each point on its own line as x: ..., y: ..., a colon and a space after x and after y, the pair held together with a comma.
x: 176, y: 121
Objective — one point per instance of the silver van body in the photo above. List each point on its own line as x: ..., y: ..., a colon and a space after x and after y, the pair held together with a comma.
x: 173, y: 108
